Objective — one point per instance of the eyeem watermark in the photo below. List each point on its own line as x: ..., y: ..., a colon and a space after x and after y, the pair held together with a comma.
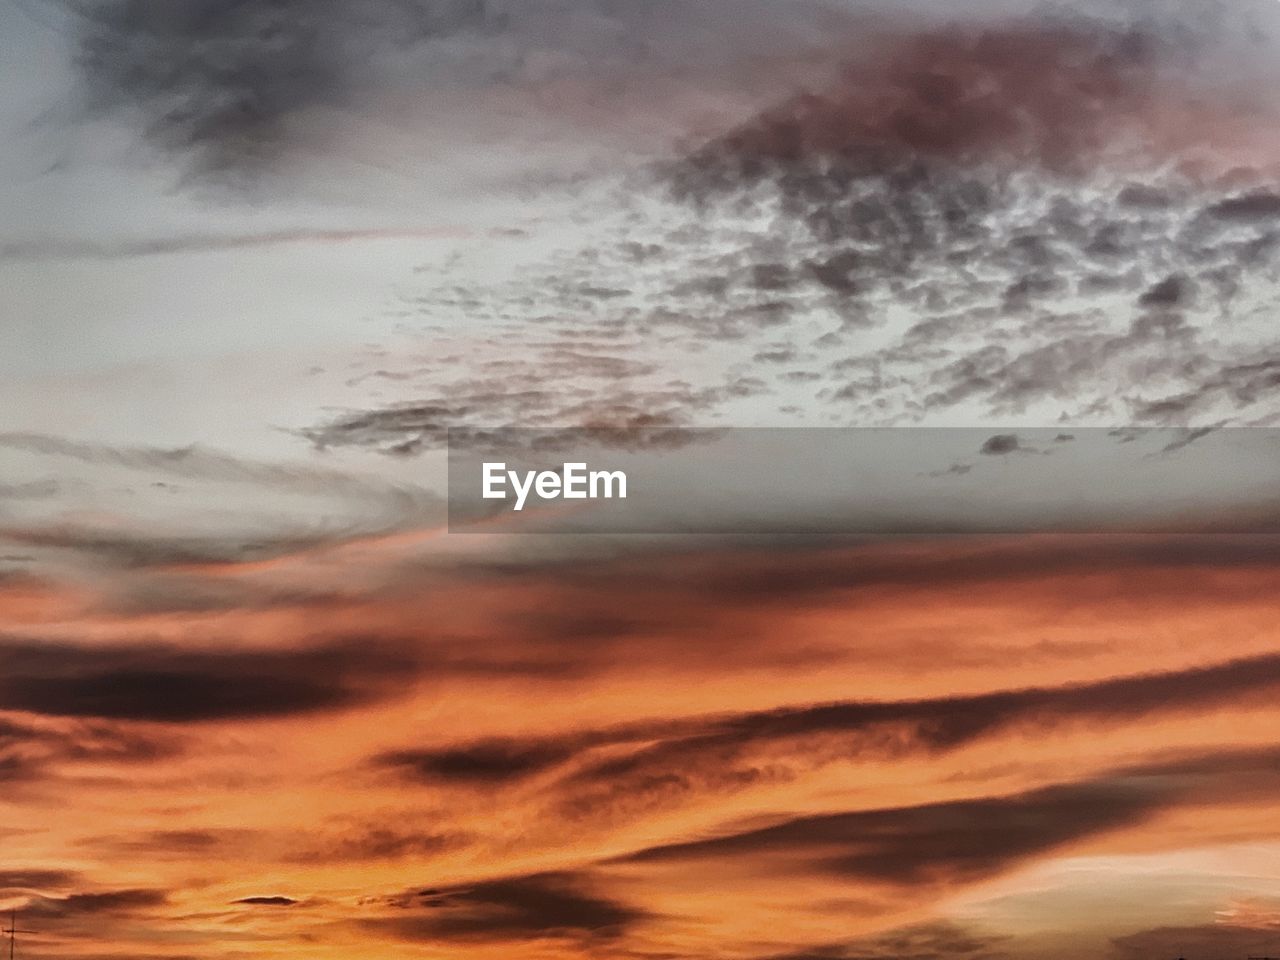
x: 572, y: 482
x: 875, y: 482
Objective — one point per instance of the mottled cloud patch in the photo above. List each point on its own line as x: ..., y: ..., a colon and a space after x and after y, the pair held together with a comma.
x: 1019, y: 216
x: 1038, y: 92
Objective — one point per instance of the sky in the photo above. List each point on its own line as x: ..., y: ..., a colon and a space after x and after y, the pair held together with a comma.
x: 261, y: 259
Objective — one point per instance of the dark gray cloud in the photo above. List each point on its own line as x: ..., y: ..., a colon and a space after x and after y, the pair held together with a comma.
x: 1203, y: 942
x: 111, y: 903
x: 177, y: 685
x: 167, y: 592
x: 29, y: 881
x: 33, y: 752
x: 169, y: 844
x: 267, y: 901
x: 956, y: 842
x: 970, y: 840
x: 1248, y: 207
x: 824, y: 572
x: 376, y: 842
x: 665, y: 763
x: 1039, y: 91
x: 142, y: 550
x: 926, y: 941
x: 235, y: 89
x: 478, y: 763
x: 1001, y: 444
x: 605, y: 612
x: 225, y: 79
x: 512, y: 908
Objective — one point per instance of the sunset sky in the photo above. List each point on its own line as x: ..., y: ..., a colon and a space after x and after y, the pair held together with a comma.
x: 261, y: 259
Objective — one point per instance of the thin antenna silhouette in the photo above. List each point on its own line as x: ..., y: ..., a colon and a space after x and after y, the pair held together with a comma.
x: 13, y: 932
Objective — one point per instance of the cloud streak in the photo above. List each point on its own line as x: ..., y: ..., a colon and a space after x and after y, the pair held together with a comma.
x: 157, y: 683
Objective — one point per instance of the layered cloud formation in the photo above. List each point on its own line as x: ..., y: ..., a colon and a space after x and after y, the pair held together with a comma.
x: 809, y: 751
x: 266, y: 256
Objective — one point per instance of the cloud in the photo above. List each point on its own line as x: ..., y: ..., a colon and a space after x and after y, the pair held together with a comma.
x: 692, y: 586
x: 161, y: 591
x: 478, y: 763
x: 1001, y: 444
x: 1020, y: 216
x: 378, y: 842
x: 925, y: 941
x: 226, y: 80
x: 1035, y: 294
x: 1040, y: 92
x: 267, y: 901
x: 512, y: 908
x: 112, y: 902
x: 690, y: 758
x: 888, y: 196
x: 964, y: 841
x: 627, y: 420
x: 1247, y: 207
x: 1003, y: 218
x: 947, y: 843
x: 374, y: 507
x: 126, y: 549
x: 1204, y: 942
x: 34, y: 490
x: 170, y: 844
x: 45, y: 249
x: 35, y: 750
x: 182, y: 685
x: 594, y: 613
x: 237, y: 91
x: 195, y: 463
x: 28, y: 881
